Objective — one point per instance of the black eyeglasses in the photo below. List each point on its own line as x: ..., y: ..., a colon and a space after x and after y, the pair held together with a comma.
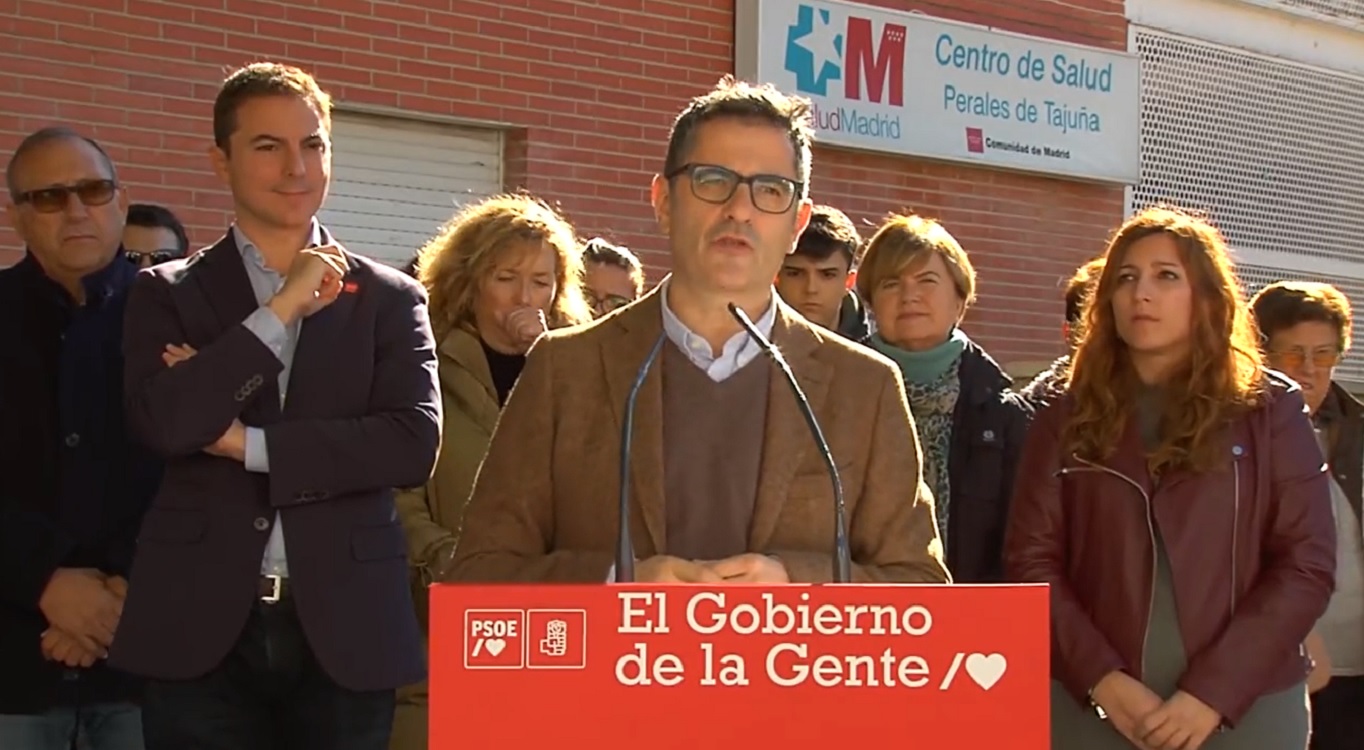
x: 770, y: 193
x: 53, y: 199
x: 147, y: 260
x: 605, y: 303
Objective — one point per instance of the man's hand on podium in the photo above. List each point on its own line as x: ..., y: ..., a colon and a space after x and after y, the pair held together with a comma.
x: 668, y: 569
x: 751, y: 568
x: 746, y: 568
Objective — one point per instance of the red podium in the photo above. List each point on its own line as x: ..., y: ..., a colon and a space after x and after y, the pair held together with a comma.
x: 744, y: 667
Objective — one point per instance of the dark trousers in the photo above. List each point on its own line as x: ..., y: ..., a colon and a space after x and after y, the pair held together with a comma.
x: 269, y: 693
x: 1338, y: 715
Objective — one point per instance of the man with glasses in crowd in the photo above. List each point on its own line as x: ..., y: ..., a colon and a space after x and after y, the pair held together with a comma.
x: 726, y: 479
x: 153, y: 235
x: 74, y: 488
x: 613, y: 276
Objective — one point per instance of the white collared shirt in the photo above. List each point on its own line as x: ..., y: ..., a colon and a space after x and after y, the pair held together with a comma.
x: 737, y: 352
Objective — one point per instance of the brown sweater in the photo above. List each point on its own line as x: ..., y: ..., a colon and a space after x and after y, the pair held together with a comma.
x: 712, y: 451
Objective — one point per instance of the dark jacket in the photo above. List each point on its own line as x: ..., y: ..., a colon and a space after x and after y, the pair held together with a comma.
x: 1342, y: 417
x: 989, y: 425
x: 1251, y: 548
x: 363, y: 416
x: 73, y: 487
x: 854, y: 319
x: 1049, y: 384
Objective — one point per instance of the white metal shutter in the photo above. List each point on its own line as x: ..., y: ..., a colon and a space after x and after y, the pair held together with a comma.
x: 1343, y: 12
x: 395, y: 181
x: 1270, y: 148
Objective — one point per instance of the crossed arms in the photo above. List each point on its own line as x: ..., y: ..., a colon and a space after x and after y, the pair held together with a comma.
x: 182, y: 400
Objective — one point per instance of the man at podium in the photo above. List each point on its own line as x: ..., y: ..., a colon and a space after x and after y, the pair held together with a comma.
x: 726, y: 481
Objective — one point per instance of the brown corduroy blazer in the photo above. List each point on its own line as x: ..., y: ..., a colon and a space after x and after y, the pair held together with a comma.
x: 544, y: 505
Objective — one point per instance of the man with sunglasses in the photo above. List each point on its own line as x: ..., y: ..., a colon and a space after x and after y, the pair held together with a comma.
x: 726, y: 479
x: 153, y: 235
x: 74, y: 486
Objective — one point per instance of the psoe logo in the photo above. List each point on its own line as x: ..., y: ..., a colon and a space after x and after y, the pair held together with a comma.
x: 820, y: 50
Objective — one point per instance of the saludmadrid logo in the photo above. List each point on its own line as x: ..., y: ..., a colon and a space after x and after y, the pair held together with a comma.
x: 820, y: 52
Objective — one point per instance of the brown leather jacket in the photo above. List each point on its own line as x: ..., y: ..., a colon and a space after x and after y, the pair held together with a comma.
x: 1251, y: 548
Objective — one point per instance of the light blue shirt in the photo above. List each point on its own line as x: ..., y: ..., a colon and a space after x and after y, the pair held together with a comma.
x: 738, y: 351
x: 282, y: 340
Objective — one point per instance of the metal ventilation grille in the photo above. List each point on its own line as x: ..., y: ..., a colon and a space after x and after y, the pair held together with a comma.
x: 1351, y: 11
x: 1269, y: 148
x: 1255, y: 278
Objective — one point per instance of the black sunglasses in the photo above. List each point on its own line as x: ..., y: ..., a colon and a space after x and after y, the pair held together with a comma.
x: 50, y: 200
x: 147, y: 260
x: 770, y: 193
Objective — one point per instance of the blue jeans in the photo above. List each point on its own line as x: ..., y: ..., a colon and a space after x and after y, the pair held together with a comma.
x: 103, y: 726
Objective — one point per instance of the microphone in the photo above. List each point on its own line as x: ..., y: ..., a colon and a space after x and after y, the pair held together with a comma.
x: 625, y: 548
x: 842, y: 555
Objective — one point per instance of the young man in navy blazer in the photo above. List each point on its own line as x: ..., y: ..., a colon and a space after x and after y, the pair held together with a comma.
x: 289, y: 385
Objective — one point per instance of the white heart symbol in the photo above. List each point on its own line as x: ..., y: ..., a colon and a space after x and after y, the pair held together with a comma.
x: 986, y: 670
x: 495, y: 646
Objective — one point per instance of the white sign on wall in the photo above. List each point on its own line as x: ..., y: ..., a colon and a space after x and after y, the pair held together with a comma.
x: 908, y: 84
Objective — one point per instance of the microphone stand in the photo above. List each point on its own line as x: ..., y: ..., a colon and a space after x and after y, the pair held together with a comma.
x: 625, y: 550
x: 842, y: 554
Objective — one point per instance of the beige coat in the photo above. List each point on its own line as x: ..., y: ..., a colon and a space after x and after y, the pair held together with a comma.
x: 431, y: 514
x: 544, y: 506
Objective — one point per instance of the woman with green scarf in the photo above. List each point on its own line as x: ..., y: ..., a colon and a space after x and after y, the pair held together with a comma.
x: 919, y: 283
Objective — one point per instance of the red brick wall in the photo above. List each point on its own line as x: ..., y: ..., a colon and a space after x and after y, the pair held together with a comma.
x: 139, y: 76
